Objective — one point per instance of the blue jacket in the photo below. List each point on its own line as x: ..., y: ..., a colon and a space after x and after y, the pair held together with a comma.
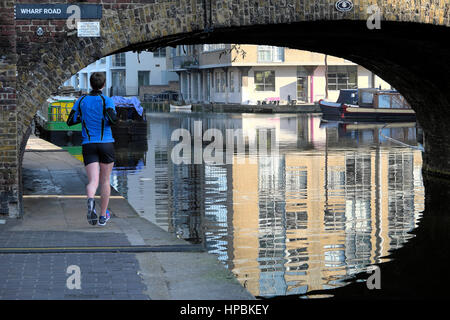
x: 95, y: 121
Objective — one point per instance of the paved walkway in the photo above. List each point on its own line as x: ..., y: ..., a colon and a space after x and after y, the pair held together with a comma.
x: 54, y: 216
x: 36, y: 144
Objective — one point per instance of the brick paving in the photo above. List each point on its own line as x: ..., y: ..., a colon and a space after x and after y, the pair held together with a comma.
x: 104, y: 276
x: 43, y: 276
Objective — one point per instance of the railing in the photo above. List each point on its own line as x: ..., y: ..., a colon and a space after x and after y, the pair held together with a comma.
x: 156, y: 106
x: 180, y: 62
x: 59, y: 111
x: 117, y: 91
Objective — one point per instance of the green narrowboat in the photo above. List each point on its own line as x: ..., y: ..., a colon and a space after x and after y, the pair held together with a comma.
x: 54, y: 128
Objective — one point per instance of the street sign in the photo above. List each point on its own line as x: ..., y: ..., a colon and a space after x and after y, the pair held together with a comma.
x: 55, y: 11
x: 88, y: 29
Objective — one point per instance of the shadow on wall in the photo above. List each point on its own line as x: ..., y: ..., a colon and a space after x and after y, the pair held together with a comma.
x: 289, y: 91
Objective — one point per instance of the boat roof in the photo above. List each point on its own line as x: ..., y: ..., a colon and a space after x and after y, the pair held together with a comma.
x: 377, y: 90
x: 61, y: 99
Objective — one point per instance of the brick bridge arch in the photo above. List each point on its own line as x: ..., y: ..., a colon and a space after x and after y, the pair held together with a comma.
x: 410, y: 51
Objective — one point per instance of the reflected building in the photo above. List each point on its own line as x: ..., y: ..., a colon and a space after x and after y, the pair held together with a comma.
x: 186, y: 193
x: 309, y: 220
x: 334, y: 199
x: 217, y: 210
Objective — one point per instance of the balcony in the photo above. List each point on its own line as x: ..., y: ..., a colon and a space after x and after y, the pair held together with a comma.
x: 185, y: 62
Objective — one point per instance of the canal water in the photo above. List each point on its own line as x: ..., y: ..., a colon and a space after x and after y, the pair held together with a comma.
x: 324, y: 202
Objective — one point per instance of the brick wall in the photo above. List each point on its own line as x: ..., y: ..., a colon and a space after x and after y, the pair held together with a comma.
x: 8, y: 111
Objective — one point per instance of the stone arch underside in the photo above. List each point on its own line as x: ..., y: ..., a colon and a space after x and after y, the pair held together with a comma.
x: 409, y: 51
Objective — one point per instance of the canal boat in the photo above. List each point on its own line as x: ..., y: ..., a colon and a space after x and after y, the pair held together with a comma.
x: 52, y: 126
x: 132, y: 122
x: 372, y: 105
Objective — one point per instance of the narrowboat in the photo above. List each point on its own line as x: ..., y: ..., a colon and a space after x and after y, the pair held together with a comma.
x: 131, y: 124
x: 368, y: 105
x: 52, y: 126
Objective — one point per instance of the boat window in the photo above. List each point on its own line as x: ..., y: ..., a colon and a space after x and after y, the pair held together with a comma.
x: 348, y: 97
x: 399, y: 102
x: 384, y: 101
x: 367, y: 98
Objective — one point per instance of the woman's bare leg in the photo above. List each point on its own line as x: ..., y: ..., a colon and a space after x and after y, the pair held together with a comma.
x: 105, y: 185
x: 92, y: 171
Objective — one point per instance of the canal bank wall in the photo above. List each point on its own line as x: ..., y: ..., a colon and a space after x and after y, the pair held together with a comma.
x: 129, y: 258
x: 237, y: 108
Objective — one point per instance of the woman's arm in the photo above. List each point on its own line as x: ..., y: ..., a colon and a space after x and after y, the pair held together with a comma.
x: 75, y: 114
x: 110, y: 112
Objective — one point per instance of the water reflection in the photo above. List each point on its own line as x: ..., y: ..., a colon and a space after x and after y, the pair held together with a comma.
x: 336, y: 198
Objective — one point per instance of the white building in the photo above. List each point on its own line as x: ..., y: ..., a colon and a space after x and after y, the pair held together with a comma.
x: 217, y: 73
x: 126, y: 72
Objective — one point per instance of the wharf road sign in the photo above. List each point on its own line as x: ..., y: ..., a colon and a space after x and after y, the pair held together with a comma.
x: 56, y: 11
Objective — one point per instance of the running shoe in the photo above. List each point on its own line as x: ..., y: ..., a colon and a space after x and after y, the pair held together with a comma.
x: 103, y: 219
x: 91, y: 214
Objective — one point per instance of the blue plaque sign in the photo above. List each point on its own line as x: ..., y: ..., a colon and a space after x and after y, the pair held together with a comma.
x: 56, y: 11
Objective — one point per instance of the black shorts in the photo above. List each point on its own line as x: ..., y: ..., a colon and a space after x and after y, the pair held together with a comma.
x: 98, y: 152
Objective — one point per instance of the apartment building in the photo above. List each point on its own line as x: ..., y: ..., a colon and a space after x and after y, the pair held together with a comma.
x: 251, y: 74
x: 126, y: 72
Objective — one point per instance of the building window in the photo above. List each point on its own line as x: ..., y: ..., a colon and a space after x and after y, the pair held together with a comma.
x: 182, y: 50
x: 240, y: 81
x: 217, y: 81
x: 231, y: 81
x: 184, y: 77
x: 265, y: 80
x: 342, y: 77
x: 118, y: 82
x: 220, y: 81
x: 143, y: 78
x: 84, y: 81
x: 102, y: 60
x: 213, y: 47
x: 223, y: 81
x: 159, y: 53
x: 119, y: 60
x: 270, y: 54
x: 208, y: 85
